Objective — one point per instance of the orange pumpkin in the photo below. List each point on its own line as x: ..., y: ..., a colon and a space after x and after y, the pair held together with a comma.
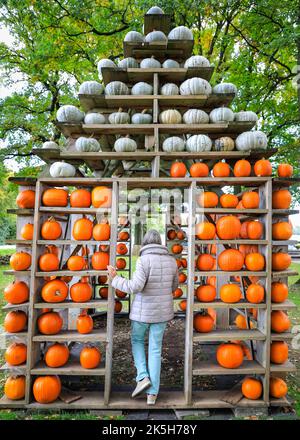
x: 14, y: 388
x: 177, y: 293
x: 231, y: 260
x: 246, y: 249
x: 15, y: 321
x: 280, y: 321
x: 212, y: 281
x: 229, y: 201
x: 182, y: 305
x: 230, y: 293
x: 183, y: 262
x: 221, y: 169
x: 203, y: 323
x: 82, y: 229
x: 176, y: 248
x: 50, y: 323
x: 20, y: 261
x: 16, y: 354
x: 54, y: 291
x: 285, y: 170
x: 118, y: 306
x: 281, y: 199
x: 205, y: 231
x: 48, y: 262
x: 80, y: 198
x: 282, y: 231
x: 263, y: 168
x: 27, y: 231
x: 252, y: 388
x: 199, y: 169
x: 46, y: 389
x: 180, y: 235
x: 205, y: 262
x: 241, y: 322
x: 171, y: 234
x: 101, y: 232
x: 242, y: 168
x: 55, y: 197
x: 26, y: 199
x: 100, y: 260
x: 182, y: 277
x: 279, y: 292
x: 255, y: 262
x: 207, y: 199
x: 76, y: 262
x: 206, y: 293
x: 255, y: 293
x: 230, y: 355
x: 122, y: 249
x: 278, y: 387
x: 120, y: 294
x: 84, y: 323
x: 81, y: 292
x: 101, y: 197
x: 51, y: 229
x: 57, y: 355
x: 281, y: 260
x: 103, y: 292
x: 90, y: 357
x: 123, y: 236
x: 121, y: 263
x: 16, y: 292
x: 228, y: 227
x: 250, y: 200
x: 255, y: 229
x: 279, y: 352
x: 178, y: 169
x: 102, y: 279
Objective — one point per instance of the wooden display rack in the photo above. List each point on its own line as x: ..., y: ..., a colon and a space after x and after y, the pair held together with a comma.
x: 150, y: 152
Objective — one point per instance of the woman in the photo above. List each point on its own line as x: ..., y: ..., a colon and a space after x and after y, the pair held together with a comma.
x: 153, y: 282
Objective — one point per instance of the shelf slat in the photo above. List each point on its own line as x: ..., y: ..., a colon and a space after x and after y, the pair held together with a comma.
x: 221, y: 305
x: 72, y: 305
x: 69, y: 335
x: 229, y: 335
x: 211, y: 368
x: 72, y: 368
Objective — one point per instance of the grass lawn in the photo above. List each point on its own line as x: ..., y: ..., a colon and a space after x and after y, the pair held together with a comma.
x: 293, y: 379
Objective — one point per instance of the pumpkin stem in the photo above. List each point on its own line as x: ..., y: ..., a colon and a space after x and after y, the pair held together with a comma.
x: 144, y: 111
x: 120, y: 109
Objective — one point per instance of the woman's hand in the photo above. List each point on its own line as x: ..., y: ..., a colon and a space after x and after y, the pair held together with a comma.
x: 111, y: 272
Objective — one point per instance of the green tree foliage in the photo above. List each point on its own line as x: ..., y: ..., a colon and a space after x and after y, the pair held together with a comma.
x: 57, y: 44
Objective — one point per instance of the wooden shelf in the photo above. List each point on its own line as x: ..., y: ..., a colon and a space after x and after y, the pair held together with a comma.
x: 284, y: 212
x: 72, y: 368
x: 15, y: 306
x: 237, y: 241
x: 283, y: 181
x: 284, y: 242
x: 21, y: 212
x: 7, y: 403
x: 23, y: 181
x: 174, y: 75
x: 212, y: 368
x: 17, y: 369
x: 20, y: 335
x: 72, y: 335
x: 242, y: 273
x: 94, y: 304
x: 284, y: 273
x: 19, y: 242
x: 75, y: 242
x: 17, y: 272
x: 221, y: 305
x: 71, y: 210
x: 174, y: 49
x: 282, y: 336
x: 229, y: 335
x: 286, y: 305
x: 287, y: 367
x: 72, y: 273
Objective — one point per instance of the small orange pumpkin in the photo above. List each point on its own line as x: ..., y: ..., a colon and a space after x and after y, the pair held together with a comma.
x: 205, y: 262
x: 176, y: 249
x: 90, y: 357
x: 228, y: 227
x: 27, y: 231
x: 54, y: 291
x: 100, y: 260
x: 14, y: 388
x: 57, y: 355
x: 84, y: 323
x: 250, y: 200
x: 230, y: 293
x: 20, y: 261
x: 203, y: 323
x: 282, y: 231
x: 118, y: 306
x: 76, y: 262
x: 177, y: 293
x: 229, y: 201
x: 263, y: 168
x: 101, y: 197
x: 255, y: 262
x: 101, y: 232
x: 81, y: 292
x: 171, y: 234
x: 16, y: 354
x: 46, y: 389
x: 51, y: 229
x: 123, y: 236
x: 15, y: 321
x: 103, y: 292
x: 242, y: 168
x: 50, y: 323
x: 82, y: 229
x: 178, y: 169
x: 280, y: 321
x: 285, y: 170
x: 255, y: 229
x: 221, y: 169
x: 26, y: 199
x: 199, y: 169
x: 278, y: 387
x: 206, y: 293
x: 231, y: 260
x: 255, y: 293
x: 207, y: 199
x: 279, y: 352
x: 55, y: 197
x: 48, y: 262
x: 252, y: 388
x: 122, y: 249
x: 230, y: 355
x: 279, y: 292
x: 205, y: 231
x: 121, y: 263
x: 80, y: 198
x: 16, y: 292
x: 281, y: 199
x: 281, y: 260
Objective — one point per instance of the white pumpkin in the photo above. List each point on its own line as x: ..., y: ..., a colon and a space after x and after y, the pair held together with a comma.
x: 117, y: 88
x: 251, y: 140
x: 195, y: 86
x: 246, y: 116
x: 173, y: 144
x: 91, y: 88
x: 195, y: 116
x: 142, y: 88
x: 125, y: 144
x: 197, y: 61
x: 128, y: 63
x: 62, y: 169
x: 170, y: 64
x: 224, y: 88
x: 119, y: 117
x: 169, y: 89
x: 155, y: 10
x: 221, y: 114
x: 94, y: 118
x: 181, y: 33
x: 170, y: 116
x: 105, y: 62
x: 150, y: 63
x: 134, y: 37
x: 50, y: 145
x: 198, y: 143
x: 224, y: 143
x: 141, y: 118
x: 86, y: 145
x: 156, y: 37
x: 69, y: 113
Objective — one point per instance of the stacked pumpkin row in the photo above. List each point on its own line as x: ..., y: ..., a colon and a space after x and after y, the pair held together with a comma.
x: 178, y: 236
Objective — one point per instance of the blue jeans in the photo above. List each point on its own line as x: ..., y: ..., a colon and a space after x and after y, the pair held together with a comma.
x: 156, y: 333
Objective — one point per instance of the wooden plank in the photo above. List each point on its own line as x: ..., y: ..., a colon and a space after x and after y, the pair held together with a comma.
x: 69, y: 396
x: 175, y: 49
x: 76, y: 242
x: 286, y: 305
x: 71, y: 210
x: 158, y: 22
x: 23, y: 181
x: 283, y: 181
x: 237, y: 241
x: 284, y: 273
x: 15, y: 306
x: 72, y: 368
x: 20, y: 335
x: 19, y: 242
x: 211, y: 368
x: 284, y: 212
x: 72, y: 273
x: 73, y: 335
x: 17, y: 272
x: 258, y: 211
x: 221, y: 305
x: 234, y: 395
x: 229, y: 335
x: 20, y: 211
x: 94, y: 304
x: 14, y: 369
x: 242, y: 273
x: 287, y: 367
x: 282, y: 336
x: 284, y: 242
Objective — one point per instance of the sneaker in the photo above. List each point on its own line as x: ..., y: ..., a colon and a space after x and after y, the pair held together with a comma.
x: 151, y: 399
x: 141, y: 386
